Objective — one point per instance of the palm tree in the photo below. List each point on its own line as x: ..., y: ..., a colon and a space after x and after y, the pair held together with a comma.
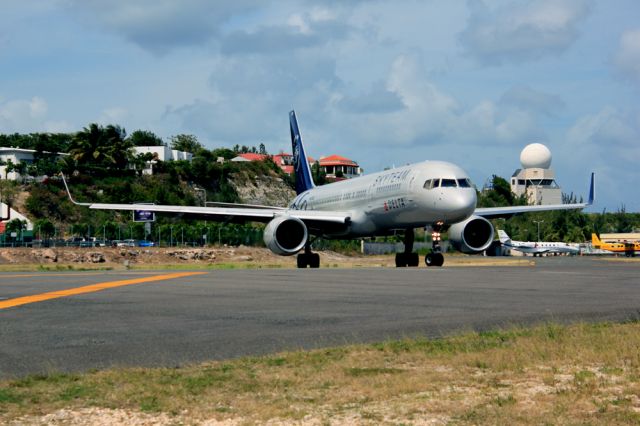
x: 88, y: 147
x: 102, y: 147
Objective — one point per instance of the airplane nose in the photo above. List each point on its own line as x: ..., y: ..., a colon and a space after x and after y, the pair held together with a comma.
x: 460, y: 205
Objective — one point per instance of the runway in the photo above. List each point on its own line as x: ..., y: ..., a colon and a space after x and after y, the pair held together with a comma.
x: 171, y: 318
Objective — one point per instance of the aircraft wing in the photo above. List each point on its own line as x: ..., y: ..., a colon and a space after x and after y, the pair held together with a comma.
x: 495, y: 212
x: 261, y: 214
x: 241, y: 212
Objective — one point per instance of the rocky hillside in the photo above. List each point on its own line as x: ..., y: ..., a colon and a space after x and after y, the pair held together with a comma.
x: 263, y: 190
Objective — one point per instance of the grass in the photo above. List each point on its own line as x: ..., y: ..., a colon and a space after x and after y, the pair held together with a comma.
x: 548, y: 374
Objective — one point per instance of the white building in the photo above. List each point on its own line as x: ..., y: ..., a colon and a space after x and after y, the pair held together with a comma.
x: 17, y: 156
x: 536, y: 180
x: 161, y: 153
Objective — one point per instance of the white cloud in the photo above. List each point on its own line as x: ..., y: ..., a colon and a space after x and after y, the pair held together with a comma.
x: 28, y: 116
x: 528, y: 99
x: 627, y: 58
x: 412, y: 111
x: 607, y: 143
x: 606, y: 129
x: 114, y: 115
x: 522, y: 31
x: 22, y: 115
x: 161, y: 25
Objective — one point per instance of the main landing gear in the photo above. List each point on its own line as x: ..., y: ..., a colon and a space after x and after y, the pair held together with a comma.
x: 407, y: 258
x: 308, y: 259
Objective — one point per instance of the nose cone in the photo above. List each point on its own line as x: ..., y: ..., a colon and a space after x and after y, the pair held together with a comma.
x: 459, y: 204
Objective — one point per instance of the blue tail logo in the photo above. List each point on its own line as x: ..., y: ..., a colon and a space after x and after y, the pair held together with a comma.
x: 304, y: 180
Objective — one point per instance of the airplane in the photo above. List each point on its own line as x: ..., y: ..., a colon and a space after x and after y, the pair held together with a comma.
x: 629, y: 248
x: 431, y: 194
x: 537, y: 249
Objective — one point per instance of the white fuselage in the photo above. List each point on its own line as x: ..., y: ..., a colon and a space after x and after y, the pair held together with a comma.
x: 542, y: 247
x: 396, y: 198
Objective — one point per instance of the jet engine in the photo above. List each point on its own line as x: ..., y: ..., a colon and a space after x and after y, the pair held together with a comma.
x: 285, y: 235
x: 471, y: 236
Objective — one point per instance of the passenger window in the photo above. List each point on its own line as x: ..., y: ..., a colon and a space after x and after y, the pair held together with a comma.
x: 448, y: 183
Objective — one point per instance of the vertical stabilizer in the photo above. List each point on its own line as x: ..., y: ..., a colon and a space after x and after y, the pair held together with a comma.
x: 304, y: 180
x: 504, y: 238
x: 595, y: 240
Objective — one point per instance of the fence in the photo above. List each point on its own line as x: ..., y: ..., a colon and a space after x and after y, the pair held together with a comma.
x: 369, y: 247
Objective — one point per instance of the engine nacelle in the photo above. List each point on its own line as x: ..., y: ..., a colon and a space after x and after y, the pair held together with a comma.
x: 285, y: 235
x: 471, y: 236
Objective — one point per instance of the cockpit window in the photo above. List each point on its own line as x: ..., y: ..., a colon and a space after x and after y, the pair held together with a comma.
x: 430, y: 183
x: 448, y: 183
x: 464, y: 183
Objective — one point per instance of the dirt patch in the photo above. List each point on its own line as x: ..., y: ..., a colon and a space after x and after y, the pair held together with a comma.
x: 165, y: 257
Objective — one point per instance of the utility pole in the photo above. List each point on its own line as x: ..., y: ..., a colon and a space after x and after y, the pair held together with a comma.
x: 538, y: 222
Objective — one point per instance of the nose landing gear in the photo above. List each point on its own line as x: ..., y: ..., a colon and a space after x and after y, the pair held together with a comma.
x: 435, y: 258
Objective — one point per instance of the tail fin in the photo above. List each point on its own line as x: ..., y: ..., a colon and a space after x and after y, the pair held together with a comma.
x: 504, y: 238
x: 595, y: 240
x: 304, y: 180
x: 592, y: 190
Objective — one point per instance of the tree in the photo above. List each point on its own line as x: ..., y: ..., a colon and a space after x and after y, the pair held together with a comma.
x: 45, y: 228
x: 187, y: 143
x: 140, y: 161
x: 16, y: 225
x: 319, y: 176
x: 145, y: 138
x: 10, y: 168
x: 103, y: 147
x: 262, y: 149
x: 8, y: 191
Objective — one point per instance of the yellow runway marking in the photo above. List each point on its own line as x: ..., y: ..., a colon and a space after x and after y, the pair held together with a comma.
x: 76, y: 274
x: 90, y: 289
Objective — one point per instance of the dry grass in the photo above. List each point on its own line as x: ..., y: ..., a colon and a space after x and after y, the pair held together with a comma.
x: 549, y: 374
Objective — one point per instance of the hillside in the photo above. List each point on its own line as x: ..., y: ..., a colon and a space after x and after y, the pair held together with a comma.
x: 46, y: 203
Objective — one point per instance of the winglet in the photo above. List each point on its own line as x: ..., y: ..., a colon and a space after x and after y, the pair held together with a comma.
x: 69, y: 192
x: 304, y: 179
x: 592, y: 190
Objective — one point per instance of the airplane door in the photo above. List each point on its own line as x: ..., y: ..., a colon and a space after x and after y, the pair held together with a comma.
x: 371, y: 195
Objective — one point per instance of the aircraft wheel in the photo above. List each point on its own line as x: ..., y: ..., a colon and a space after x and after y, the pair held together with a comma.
x: 428, y: 259
x: 413, y: 260
x: 434, y: 259
x: 302, y: 260
x: 401, y: 260
x: 314, y: 261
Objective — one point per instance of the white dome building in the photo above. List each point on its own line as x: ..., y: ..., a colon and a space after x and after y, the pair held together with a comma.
x: 536, y: 180
x: 535, y: 156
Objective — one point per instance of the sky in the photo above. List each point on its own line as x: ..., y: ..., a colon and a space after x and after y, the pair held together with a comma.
x: 384, y: 83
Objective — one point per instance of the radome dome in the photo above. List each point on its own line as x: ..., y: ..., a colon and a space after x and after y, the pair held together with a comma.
x: 535, y: 155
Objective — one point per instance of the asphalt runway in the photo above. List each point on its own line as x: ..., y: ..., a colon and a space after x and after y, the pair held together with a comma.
x: 229, y: 313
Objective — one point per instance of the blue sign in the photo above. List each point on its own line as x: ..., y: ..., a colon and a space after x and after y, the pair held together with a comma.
x: 144, y: 216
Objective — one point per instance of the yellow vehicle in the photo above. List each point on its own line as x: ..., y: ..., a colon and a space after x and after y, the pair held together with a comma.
x: 629, y: 248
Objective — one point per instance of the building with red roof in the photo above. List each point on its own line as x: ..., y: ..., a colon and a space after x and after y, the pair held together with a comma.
x: 251, y: 157
x: 334, y: 166
x: 337, y: 167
